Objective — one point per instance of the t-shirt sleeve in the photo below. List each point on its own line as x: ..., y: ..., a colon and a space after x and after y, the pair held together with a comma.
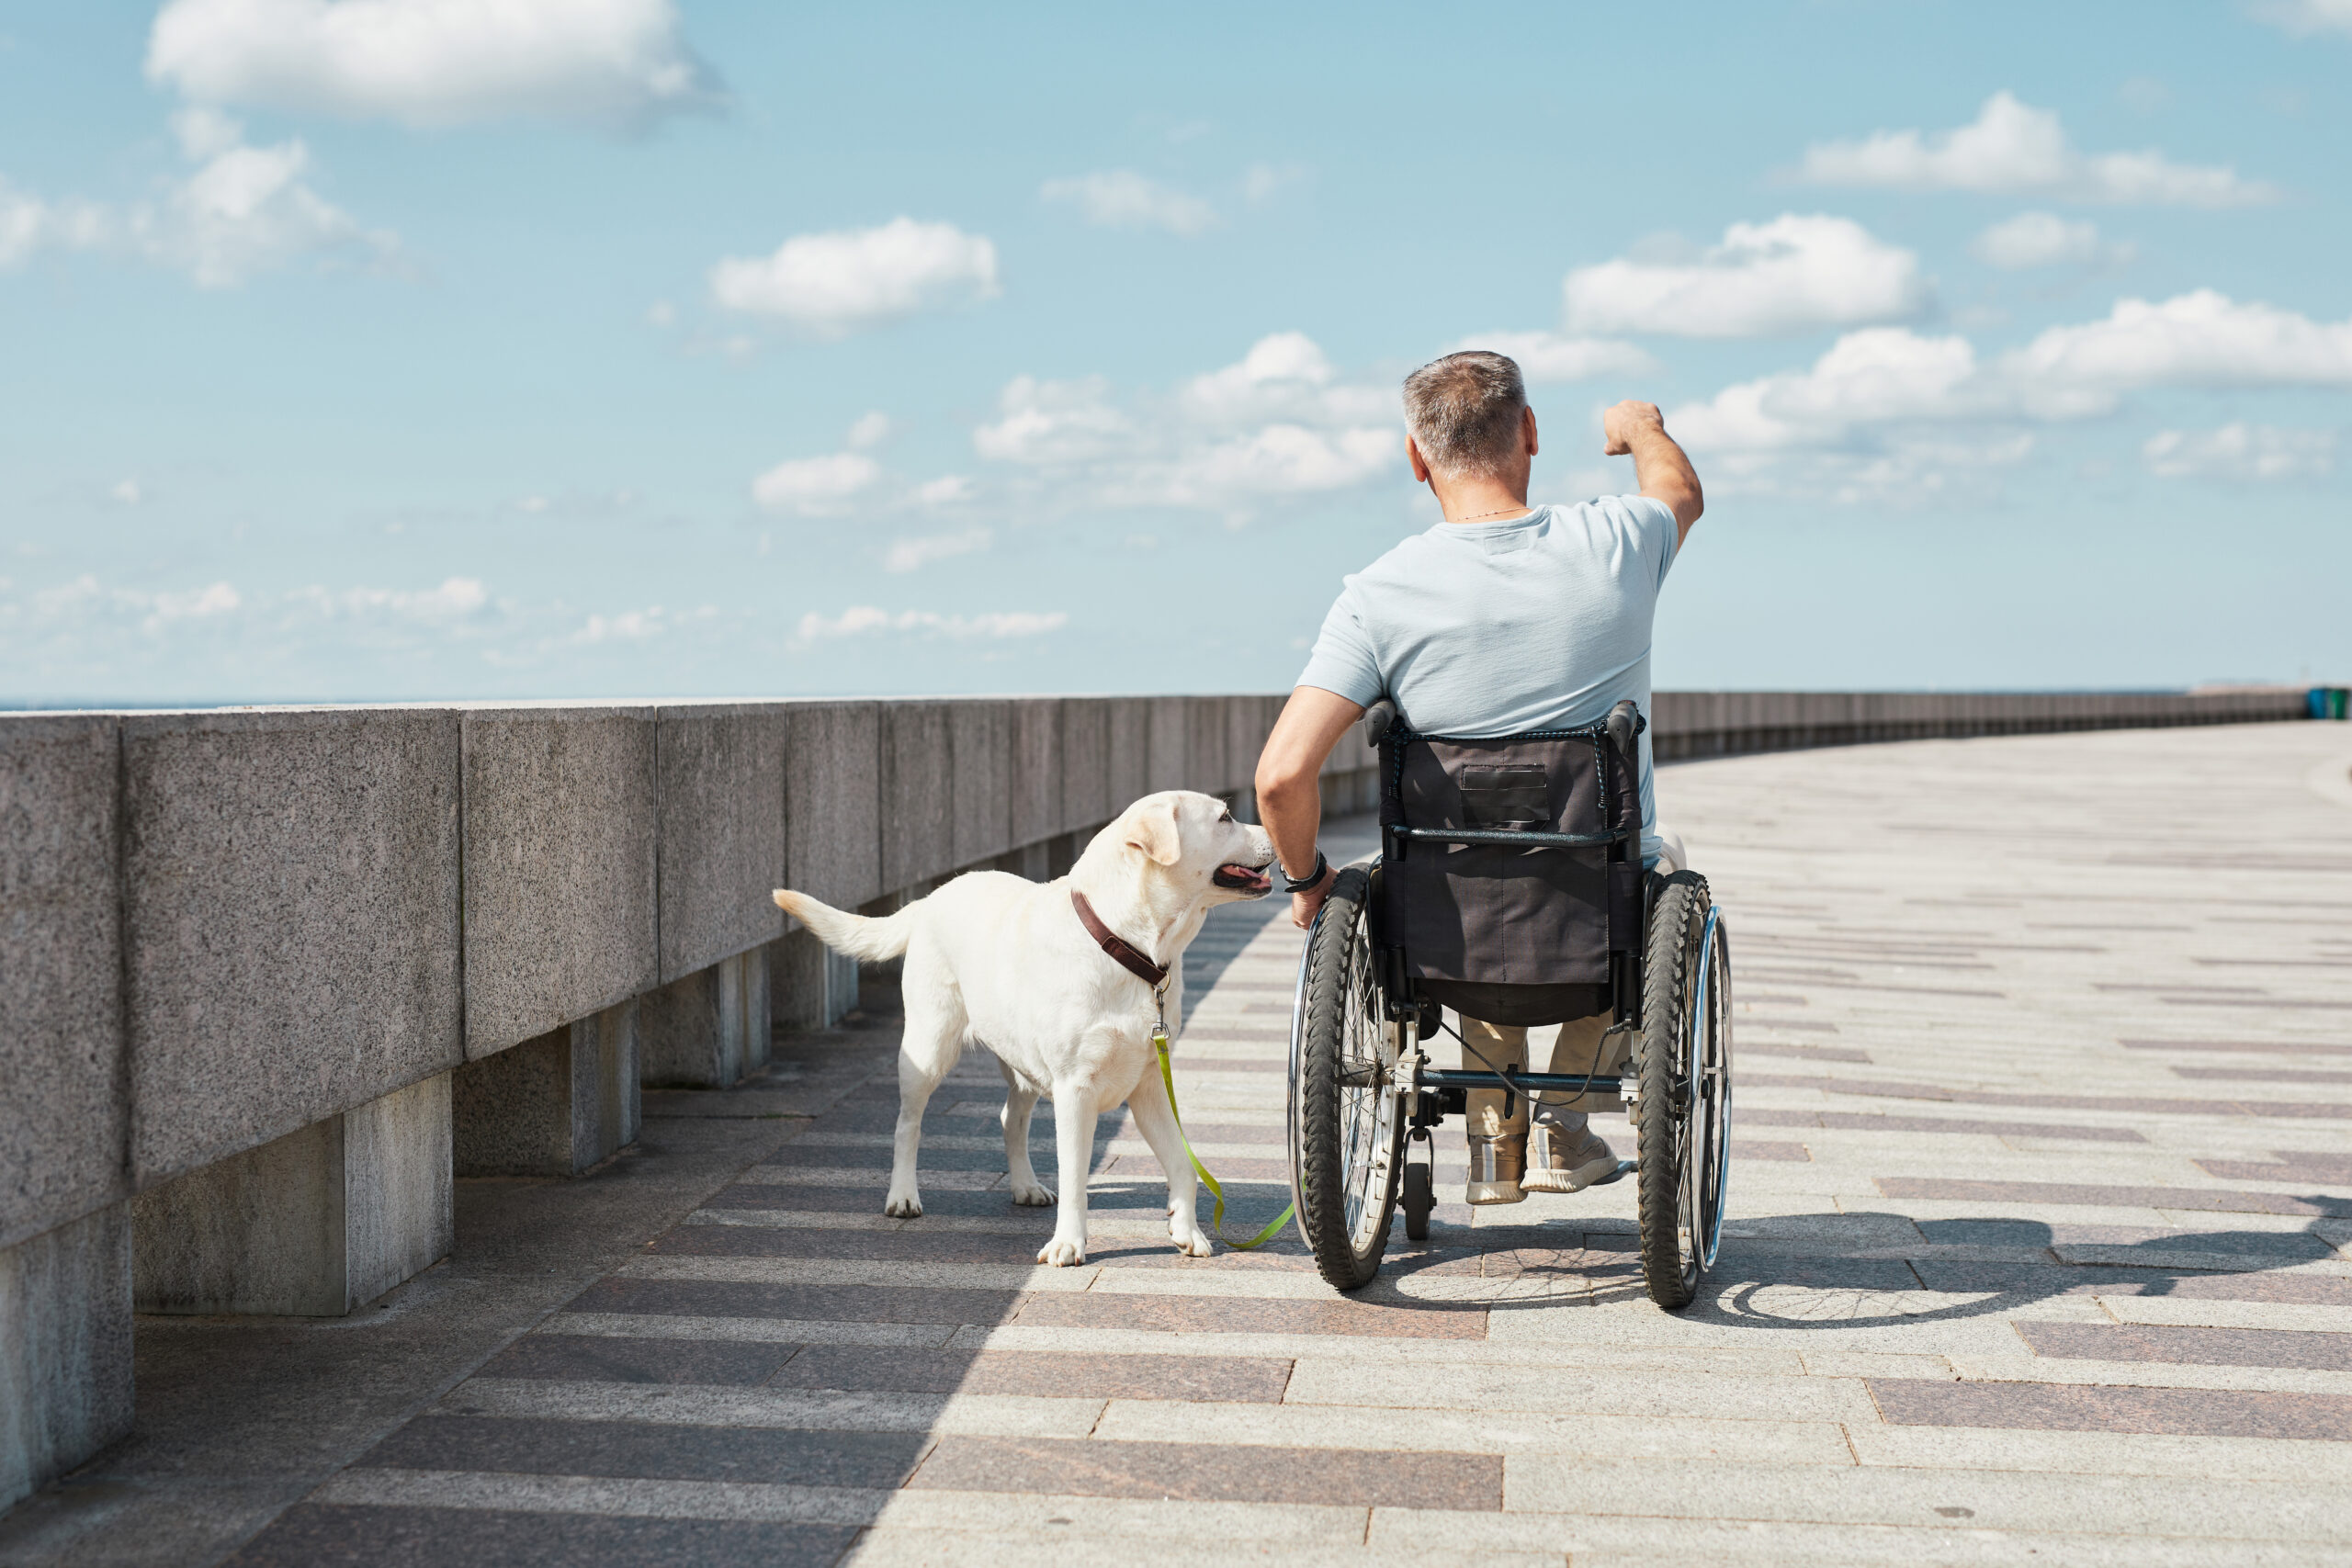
x: 1655, y: 533
x: 1343, y: 661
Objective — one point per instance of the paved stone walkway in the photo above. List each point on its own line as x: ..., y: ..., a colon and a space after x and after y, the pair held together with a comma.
x: 2043, y: 1172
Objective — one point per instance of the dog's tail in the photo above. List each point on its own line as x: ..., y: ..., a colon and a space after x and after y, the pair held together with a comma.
x: 862, y: 938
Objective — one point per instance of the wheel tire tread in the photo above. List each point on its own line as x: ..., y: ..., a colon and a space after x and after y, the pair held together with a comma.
x: 1321, y: 1182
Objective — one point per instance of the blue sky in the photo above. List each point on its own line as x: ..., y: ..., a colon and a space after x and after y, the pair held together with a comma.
x: 365, y: 350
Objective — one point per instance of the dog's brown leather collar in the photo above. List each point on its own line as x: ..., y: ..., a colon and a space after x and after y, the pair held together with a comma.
x: 1127, y: 956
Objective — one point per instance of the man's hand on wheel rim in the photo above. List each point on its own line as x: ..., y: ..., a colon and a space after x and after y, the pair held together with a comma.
x: 1304, y: 907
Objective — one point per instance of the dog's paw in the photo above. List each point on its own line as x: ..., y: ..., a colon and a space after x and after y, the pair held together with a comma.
x: 903, y: 1207
x: 1197, y: 1245
x: 1033, y: 1195
x: 1060, y: 1254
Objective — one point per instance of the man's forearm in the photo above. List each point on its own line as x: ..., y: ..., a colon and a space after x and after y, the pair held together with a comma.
x: 1293, y: 817
x: 1663, y: 471
x: 1661, y: 468
x: 1289, y: 781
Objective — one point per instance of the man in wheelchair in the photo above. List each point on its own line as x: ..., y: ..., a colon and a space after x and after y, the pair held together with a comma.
x: 1501, y: 620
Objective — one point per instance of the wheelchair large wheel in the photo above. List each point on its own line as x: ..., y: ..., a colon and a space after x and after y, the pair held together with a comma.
x: 1685, y: 1089
x: 1347, y: 1125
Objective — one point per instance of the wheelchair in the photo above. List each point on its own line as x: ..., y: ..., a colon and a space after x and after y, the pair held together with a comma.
x: 1510, y: 879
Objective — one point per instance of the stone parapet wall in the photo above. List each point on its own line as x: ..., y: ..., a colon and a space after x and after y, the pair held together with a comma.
x: 225, y: 925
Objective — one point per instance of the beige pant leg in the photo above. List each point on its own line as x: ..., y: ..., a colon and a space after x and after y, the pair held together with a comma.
x: 1503, y: 1047
x: 1497, y: 1120
x: 1576, y: 1052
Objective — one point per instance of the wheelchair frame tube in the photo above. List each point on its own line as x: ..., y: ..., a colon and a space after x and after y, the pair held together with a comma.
x: 1569, y: 1083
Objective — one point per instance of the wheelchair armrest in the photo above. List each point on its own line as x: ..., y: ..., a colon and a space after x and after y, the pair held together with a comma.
x: 1377, y: 721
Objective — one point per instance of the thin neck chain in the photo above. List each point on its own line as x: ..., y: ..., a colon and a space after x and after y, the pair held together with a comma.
x: 1482, y: 516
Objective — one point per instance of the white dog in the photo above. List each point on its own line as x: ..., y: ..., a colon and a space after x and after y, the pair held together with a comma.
x: 1010, y: 964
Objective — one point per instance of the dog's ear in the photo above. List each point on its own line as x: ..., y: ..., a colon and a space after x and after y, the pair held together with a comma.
x: 1151, y: 827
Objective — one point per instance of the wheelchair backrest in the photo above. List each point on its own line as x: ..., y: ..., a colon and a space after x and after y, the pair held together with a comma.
x: 1514, y: 861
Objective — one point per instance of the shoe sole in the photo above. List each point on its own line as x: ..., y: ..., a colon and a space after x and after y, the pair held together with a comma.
x: 1593, y: 1173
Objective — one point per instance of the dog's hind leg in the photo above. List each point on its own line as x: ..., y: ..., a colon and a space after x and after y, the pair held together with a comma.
x: 1076, y: 1104
x: 1156, y: 1120
x: 1019, y: 1101
x: 934, y: 1039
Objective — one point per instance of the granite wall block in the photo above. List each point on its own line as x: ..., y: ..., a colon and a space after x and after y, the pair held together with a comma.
x: 65, y: 1119
x: 918, y: 792
x: 65, y: 1348
x: 1167, y: 750
x: 981, y: 738
x: 720, y: 768
x: 833, y: 801
x: 551, y: 1106
x: 290, y: 920
x: 1037, y: 769
x: 560, y: 883
x: 1130, y: 752
x: 1086, y: 764
x: 311, y: 1225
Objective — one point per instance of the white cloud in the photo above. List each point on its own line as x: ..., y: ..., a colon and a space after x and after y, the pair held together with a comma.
x: 909, y: 554
x: 1283, y: 375
x: 1888, y: 376
x: 2199, y: 338
x: 28, y: 224
x: 240, y: 210
x: 431, y: 63
x: 629, y: 626
x: 456, y: 598
x: 872, y: 429
x: 1121, y: 198
x: 246, y: 210
x: 816, y: 486
x: 832, y: 284
x: 1793, y: 275
x: 1278, y: 422
x: 126, y: 492
x: 2304, y: 17
x: 2042, y: 239
x: 2012, y: 147
x: 2241, y: 452
x: 197, y: 604
x: 860, y: 619
x: 947, y: 489
x: 1547, y: 357
x: 1875, y: 376
x: 1043, y: 423
x: 1279, y: 461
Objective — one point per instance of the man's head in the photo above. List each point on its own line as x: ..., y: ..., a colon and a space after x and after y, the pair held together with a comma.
x: 1468, y: 420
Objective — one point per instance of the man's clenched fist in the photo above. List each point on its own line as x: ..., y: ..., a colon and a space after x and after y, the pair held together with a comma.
x: 1621, y: 423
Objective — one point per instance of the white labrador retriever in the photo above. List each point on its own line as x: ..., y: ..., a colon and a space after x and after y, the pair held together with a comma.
x: 1011, y: 965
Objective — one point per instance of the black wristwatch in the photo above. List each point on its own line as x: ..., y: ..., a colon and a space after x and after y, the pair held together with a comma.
x: 1306, y: 884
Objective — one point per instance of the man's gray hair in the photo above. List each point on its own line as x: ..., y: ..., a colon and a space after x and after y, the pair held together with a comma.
x: 1464, y: 413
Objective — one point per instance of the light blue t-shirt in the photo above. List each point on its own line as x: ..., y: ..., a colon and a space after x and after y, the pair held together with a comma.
x: 1490, y: 628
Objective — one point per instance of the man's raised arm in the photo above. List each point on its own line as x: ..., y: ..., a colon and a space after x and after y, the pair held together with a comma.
x: 1659, y: 466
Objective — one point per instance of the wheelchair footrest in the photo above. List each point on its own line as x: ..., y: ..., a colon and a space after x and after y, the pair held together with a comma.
x: 1625, y: 1168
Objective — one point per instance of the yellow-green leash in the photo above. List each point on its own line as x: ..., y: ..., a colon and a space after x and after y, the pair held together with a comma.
x: 1217, y: 1215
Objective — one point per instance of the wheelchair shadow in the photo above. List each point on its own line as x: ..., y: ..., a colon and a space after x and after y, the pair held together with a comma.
x: 1969, y: 1268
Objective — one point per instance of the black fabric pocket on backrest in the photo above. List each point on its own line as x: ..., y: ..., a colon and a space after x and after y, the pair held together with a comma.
x: 1511, y: 797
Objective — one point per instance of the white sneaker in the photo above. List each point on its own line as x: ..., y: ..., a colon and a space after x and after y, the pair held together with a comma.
x: 1563, y: 1160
